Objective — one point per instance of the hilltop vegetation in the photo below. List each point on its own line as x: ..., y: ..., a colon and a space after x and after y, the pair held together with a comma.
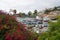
x: 47, y: 11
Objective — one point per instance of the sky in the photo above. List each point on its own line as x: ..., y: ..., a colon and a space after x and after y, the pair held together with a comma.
x: 28, y: 5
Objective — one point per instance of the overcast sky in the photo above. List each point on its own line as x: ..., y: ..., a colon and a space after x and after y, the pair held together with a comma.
x: 28, y: 5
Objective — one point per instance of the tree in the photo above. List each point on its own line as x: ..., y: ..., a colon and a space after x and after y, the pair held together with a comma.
x: 55, y: 8
x: 10, y: 29
x: 47, y: 11
x: 29, y: 13
x: 23, y: 14
x: 35, y: 13
x: 20, y: 14
x: 53, y: 32
x: 14, y: 11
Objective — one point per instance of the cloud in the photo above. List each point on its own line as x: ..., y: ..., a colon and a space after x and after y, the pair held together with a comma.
x: 26, y: 5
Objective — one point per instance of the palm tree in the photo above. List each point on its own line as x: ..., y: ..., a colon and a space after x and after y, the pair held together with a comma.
x: 20, y: 14
x: 14, y: 11
x: 35, y: 13
x: 29, y: 13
